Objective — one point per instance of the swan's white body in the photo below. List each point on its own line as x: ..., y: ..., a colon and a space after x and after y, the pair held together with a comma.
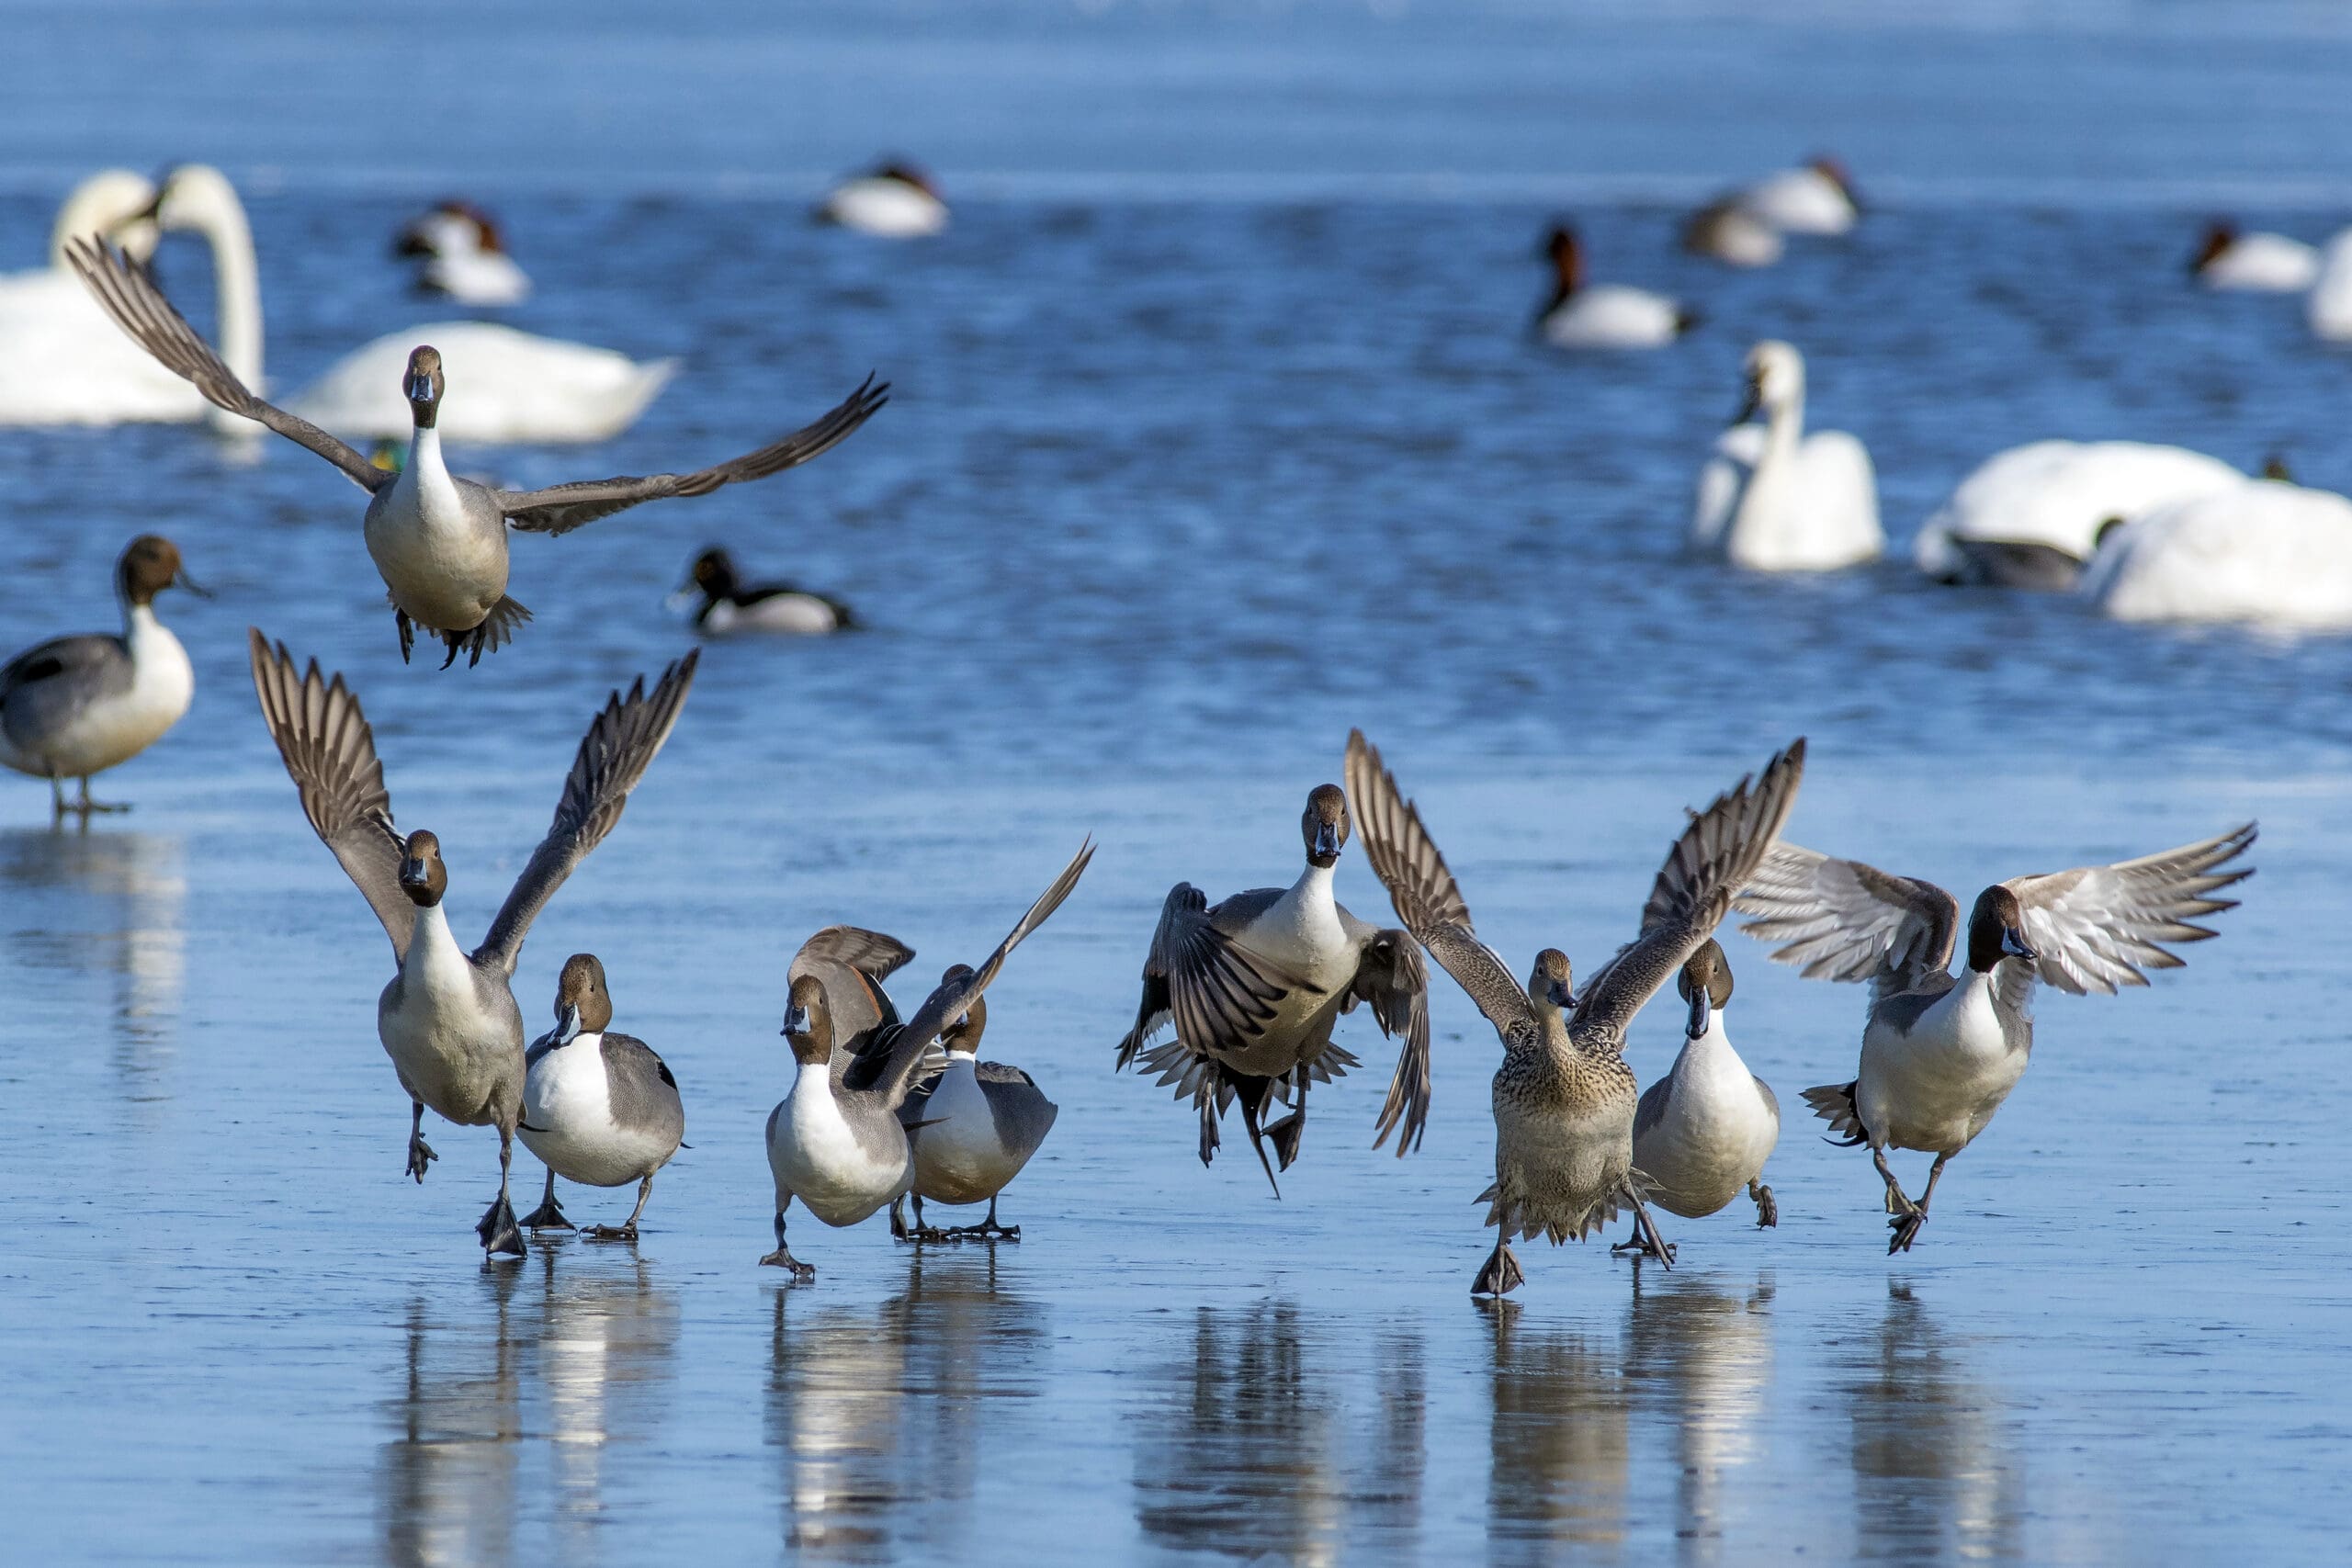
x: 2061, y: 493
x: 2265, y: 551
x: 1774, y: 499
x: 886, y: 207
x: 508, y: 386
x: 2268, y: 263
x: 2329, y: 307
x: 1801, y: 201
x: 1610, y: 315
x: 516, y: 387
x: 63, y: 360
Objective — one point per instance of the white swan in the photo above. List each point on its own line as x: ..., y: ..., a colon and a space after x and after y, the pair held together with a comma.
x: 464, y: 256
x: 1582, y: 315
x: 2329, y: 307
x: 518, y: 388
x: 1816, y: 199
x: 1730, y: 234
x: 2270, y: 264
x: 2263, y: 551
x: 62, y: 361
x: 1774, y: 499
x: 897, y: 201
x: 2047, y: 504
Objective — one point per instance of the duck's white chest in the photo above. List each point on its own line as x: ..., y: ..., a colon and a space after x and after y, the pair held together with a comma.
x: 1301, y: 931
x: 817, y: 1158
x: 779, y: 615
x: 450, y: 1051
x: 568, y: 1119
x: 1716, y: 1132
x: 443, y: 567
x: 959, y: 1158
x: 1935, y: 1085
x: 117, y: 726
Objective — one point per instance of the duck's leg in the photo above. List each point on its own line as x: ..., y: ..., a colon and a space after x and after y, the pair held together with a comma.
x: 86, y: 805
x: 57, y: 805
x: 626, y: 1229
x: 1901, y: 1207
x: 899, y: 1230
x: 1252, y: 1106
x: 1286, y: 1133
x: 1905, y: 1225
x: 420, y: 1153
x: 1502, y: 1273
x: 497, y: 1228
x: 408, y: 631
x: 1768, y: 1207
x: 1652, y: 1245
x: 782, y: 1256
x: 549, y: 1215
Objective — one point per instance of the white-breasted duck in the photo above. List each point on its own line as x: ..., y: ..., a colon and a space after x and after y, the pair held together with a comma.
x: 2258, y: 263
x: 1940, y: 1051
x: 463, y: 254
x: 1818, y: 198
x: 599, y: 1108
x: 1563, y: 1098
x: 895, y: 201
x: 77, y: 705
x: 1729, y: 232
x: 1604, y: 315
x: 1254, y: 985
x: 439, y: 541
x: 448, y: 1019
x: 835, y: 1141
x: 731, y: 607
x: 980, y: 1123
x: 1702, y: 1133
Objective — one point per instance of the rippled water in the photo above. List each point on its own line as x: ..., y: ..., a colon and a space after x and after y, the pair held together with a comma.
x: 1168, y: 495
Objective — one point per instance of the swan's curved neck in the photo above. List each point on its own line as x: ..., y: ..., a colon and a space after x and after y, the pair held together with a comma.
x: 237, y: 275
x: 1784, y: 423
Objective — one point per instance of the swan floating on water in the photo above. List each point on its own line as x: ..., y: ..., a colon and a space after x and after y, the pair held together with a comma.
x: 1607, y: 315
x: 897, y: 201
x: 2264, y: 551
x: 62, y: 361
x: 465, y: 256
x: 2329, y: 306
x: 1817, y: 199
x: 518, y: 388
x: 2268, y: 263
x: 2030, y: 516
x: 1775, y: 499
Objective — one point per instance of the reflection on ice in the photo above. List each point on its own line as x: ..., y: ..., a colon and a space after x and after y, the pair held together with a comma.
x: 104, y: 905
x: 1937, y: 1470
x: 1703, y: 1359
x: 1558, y: 1438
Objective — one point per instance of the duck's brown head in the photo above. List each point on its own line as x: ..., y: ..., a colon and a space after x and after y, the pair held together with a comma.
x: 583, y: 1005
x: 1325, y: 825
x: 424, y: 877
x: 421, y: 384
x: 1552, y: 984
x: 150, y: 564
x: 1997, y: 930
x: 808, y: 1023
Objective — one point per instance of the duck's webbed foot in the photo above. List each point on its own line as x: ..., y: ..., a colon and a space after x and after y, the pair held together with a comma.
x: 86, y: 806
x: 498, y: 1231
x: 470, y: 643
x: 1501, y: 1275
x: 611, y: 1233
x: 549, y: 1215
x: 987, y: 1230
x: 420, y: 1153
x: 408, y: 631
x: 1648, y: 1243
x: 1284, y: 1135
x: 1768, y: 1207
x: 1905, y: 1229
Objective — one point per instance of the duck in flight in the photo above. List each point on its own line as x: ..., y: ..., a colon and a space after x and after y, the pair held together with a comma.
x: 1940, y: 1051
x: 448, y: 1019
x: 439, y: 540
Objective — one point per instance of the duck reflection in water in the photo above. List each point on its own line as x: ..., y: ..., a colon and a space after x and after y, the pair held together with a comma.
x: 539, y: 1370
x: 1257, y: 1451
x: 103, y: 907
x: 1938, y: 1470
x: 881, y: 1414
x: 1700, y: 1358
x: 1557, y: 1468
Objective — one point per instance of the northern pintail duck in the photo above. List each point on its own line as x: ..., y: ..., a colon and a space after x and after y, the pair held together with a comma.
x: 1730, y: 234
x: 77, y: 705
x: 1564, y: 1098
x: 1254, y: 985
x: 1776, y: 498
x: 2265, y: 264
x: 599, y: 1108
x: 731, y: 607
x: 980, y: 1123
x: 1606, y: 315
x: 464, y: 256
x: 448, y: 1019
x: 1942, y: 1052
x: 1816, y: 199
x: 835, y: 1141
x: 1705, y: 1131
x: 897, y: 201
x: 440, y: 541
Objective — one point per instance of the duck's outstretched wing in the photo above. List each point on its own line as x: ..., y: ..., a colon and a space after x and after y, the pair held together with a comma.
x: 1716, y: 857
x: 559, y: 509
x: 2098, y: 928
x: 621, y: 742
x: 962, y: 987
x: 1841, y: 919
x: 139, y: 308
x: 1220, y: 994
x: 331, y: 755
x: 1423, y: 891
x: 852, y: 963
